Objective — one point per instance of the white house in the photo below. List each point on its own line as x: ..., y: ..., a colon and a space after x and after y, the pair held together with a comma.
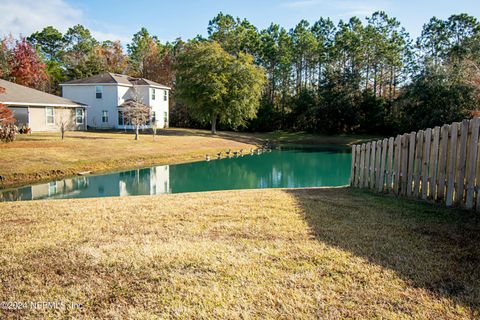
x: 104, y: 93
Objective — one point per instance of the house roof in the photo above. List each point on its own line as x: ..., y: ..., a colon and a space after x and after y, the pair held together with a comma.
x: 18, y: 95
x: 115, y: 78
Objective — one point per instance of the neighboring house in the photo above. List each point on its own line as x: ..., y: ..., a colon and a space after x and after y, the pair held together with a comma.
x: 41, y: 111
x: 104, y: 93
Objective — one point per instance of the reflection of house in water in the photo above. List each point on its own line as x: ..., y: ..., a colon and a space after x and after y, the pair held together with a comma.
x: 59, y: 189
x: 147, y: 181
x: 154, y: 180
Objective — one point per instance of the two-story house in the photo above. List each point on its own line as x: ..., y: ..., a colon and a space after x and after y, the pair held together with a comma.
x: 104, y: 93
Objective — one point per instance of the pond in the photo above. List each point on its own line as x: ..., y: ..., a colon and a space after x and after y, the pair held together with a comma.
x: 293, y: 167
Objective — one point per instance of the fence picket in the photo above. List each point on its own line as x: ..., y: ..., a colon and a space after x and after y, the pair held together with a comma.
x: 404, y: 164
x: 383, y: 158
x: 372, y: 164
x: 397, y: 161
x: 461, y: 163
x: 442, y: 162
x: 411, y: 157
x: 452, y: 157
x: 362, y: 164
x: 472, y: 159
x: 352, y: 170
x: 357, y: 164
x: 425, y: 163
x: 377, y: 163
x: 477, y: 191
x: 418, y: 164
x: 389, y: 172
x: 367, y: 165
x: 433, y: 171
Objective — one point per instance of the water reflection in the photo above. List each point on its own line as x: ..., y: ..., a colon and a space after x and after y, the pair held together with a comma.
x: 289, y: 168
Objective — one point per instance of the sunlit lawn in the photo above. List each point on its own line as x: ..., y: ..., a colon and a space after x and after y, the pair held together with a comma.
x: 291, y: 254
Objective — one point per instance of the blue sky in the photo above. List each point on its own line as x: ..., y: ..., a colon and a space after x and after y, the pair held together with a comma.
x: 180, y: 18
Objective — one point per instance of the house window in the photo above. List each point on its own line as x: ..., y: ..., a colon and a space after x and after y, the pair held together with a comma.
x: 104, y: 116
x: 50, y: 115
x: 79, y: 115
x: 154, y: 118
x: 165, y: 119
x: 98, y: 92
x: 165, y: 95
x: 153, y: 94
x: 121, y: 120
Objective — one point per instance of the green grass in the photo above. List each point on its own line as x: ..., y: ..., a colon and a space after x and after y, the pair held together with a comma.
x: 41, y: 157
x: 256, y: 254
x: 309, y: 138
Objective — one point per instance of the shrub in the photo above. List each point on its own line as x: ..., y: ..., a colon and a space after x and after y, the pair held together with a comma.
x: 8, y: 132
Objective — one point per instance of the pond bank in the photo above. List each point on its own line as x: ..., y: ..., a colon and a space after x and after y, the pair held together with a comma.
x: 42, y: 157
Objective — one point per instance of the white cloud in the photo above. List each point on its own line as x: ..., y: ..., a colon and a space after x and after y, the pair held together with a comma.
x: 102, y: 36
x: 27, y: 16
x: 345, y: 8
x: 301, y: 4
x: 356, y: 8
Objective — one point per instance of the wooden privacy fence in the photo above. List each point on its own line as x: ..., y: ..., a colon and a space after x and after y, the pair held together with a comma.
x: 440, y: 164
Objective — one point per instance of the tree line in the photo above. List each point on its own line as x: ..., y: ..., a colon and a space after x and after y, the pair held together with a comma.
x: 355, y: 76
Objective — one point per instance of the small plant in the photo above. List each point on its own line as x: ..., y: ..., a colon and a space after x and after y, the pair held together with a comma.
x: 8, y: 132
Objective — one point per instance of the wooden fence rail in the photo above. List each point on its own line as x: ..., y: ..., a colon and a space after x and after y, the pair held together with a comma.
x: 440, y: 164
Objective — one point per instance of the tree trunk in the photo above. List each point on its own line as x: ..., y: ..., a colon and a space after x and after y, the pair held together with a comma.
x: 136, y: 132
x: 214, y: 124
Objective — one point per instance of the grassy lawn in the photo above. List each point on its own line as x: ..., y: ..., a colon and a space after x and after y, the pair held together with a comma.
x: 308, y: 138
x: 314, y: 253
x: 44, y: 156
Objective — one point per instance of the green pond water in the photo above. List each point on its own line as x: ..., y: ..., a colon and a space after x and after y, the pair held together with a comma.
x: 285, y: 168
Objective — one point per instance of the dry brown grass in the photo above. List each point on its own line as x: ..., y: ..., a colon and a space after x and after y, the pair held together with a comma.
x: 318, y: 253
x: 44, y: 156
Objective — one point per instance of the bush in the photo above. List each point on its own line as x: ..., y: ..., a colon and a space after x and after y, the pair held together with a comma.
x: 8, y: 132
